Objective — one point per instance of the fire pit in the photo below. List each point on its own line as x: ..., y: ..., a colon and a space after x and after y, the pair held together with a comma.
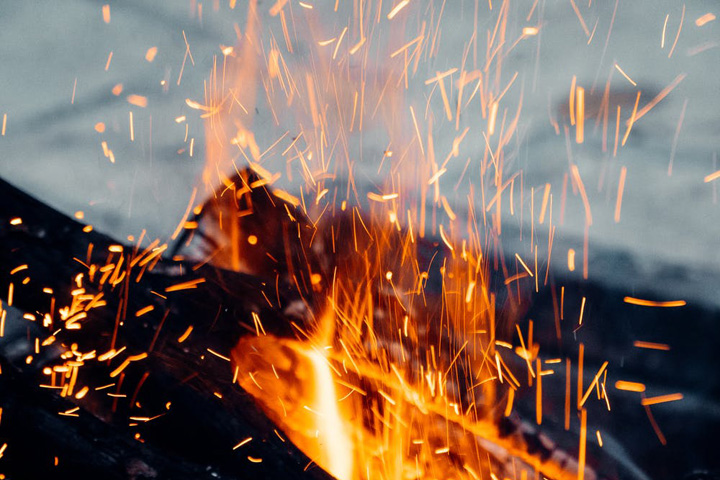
x: 371, y: 278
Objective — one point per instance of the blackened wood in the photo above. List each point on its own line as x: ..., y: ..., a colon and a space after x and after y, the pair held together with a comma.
x: 194, y: 437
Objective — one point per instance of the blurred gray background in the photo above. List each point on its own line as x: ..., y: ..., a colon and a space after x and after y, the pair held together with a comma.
x: 667, y: 239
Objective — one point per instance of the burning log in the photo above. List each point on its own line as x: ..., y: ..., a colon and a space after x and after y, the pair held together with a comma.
x: 174, y: 324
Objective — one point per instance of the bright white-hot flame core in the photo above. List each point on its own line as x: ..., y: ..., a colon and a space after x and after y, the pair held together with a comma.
x: 332, y: 437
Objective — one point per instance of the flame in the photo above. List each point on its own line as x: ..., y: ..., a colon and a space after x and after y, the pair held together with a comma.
x: 295, y: 386
x: 384, y: 378
x: 311, y: 406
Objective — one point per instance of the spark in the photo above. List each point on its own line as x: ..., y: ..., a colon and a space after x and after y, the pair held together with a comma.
x: 677, y: 36
x: 576, y: 175
x: 673, y: 149
x: 82, y: 392
x: 630, y: 386
x: 713, y: 176
x: 582, y: 310
x: 137, y: 100
x: 150, y: 54
x: 583, y: 444
x: 579, y: 15
x: 593, y: 383
x: 220, y: 356
x: 440, y: 75
x: 632, y: 120
x: 651, y: 303
x: 126, y: 362
x: 243, y: 442
x: 580, y: 115
x: 179, y: 227
x: 673, y: 397
x: 106, y: 13
x: 397, y: 9
x: 651, y: 345
x: 275, y: 9
x: 382, y: 198
x: 19, y: 268
x: 543, y: 208
x: 511, y: 398
x: 445, y: 239
x: 621, y: 189
x: 663, y: 93
x: 283, y: 195
x: 704, y: 19
x: 185, y: 335
x: 437, y: 176
x: 190, y: 284
x: 524, y: 265
x: 144, y: 310
x: 627, y: 77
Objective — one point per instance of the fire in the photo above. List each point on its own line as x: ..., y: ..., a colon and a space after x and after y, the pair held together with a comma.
x: 382, y: 377
x: 296, y: 387
x: 400, y: 356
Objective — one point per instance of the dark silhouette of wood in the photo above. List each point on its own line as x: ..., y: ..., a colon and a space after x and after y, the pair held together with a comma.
x: 195, y: 436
